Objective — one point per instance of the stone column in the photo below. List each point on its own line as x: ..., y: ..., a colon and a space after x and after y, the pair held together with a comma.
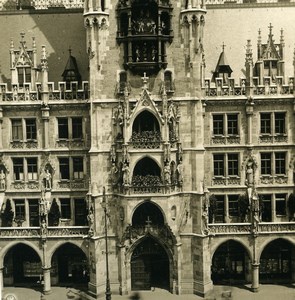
x: 255, y: 277
x: 1, y: 282
x: 47, y: 281
x: 45, y: 117
x: 1, y: 135
x: 249, y: 112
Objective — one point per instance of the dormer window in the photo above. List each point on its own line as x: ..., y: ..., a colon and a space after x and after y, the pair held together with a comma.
x: 24, y: 76
x: 71, y: 72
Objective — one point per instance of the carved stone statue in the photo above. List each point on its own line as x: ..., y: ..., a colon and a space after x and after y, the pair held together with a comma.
x: 2, y: 180
x: 42, y: 205
x: 250, y: 174
x: 90, y: 219
x: 250, y: 180
x: 47, y: 179
x: 43, y: 228
x: 180, y: 172
x: 126, y: 173
x: 114, y: 173
x: 167, y: 174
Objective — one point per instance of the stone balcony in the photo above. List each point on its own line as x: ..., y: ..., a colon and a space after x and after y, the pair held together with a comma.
x: 52, y: 232
x: 41, y: 4
x: 231, y: 88
x: 36, y: 93
x: 239, y: 2
x: 245, y: 228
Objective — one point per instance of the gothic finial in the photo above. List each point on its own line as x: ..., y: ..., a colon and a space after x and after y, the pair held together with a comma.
x: 145, y: 80
x: 70, y: 51
x: 249, y: 58
x: 249, y: 47
x: 259, y: 36
x: 270, y: 29
x: 34, y: 42
x: 11, y: 44
x: 282, y: 35
x: 223, y: 46
x: 44, y: 63
x: 22, y: 36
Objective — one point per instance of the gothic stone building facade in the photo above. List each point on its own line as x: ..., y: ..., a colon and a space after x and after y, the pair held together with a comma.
x: 128, y: 147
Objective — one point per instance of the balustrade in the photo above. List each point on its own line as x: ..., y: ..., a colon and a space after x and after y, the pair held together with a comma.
x: 28, y: 92
x: 73, y: 184
x: 41, y: 4
x: 232, y: 180
x: 31, y: 232
x: 231, y: 88
x: 245, y: 228
x: 146, y: 184
x: 146, y: 140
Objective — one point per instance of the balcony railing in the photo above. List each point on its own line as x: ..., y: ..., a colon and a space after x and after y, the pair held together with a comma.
x: 41, y: 4
x: 28, y: 92
x: 34, y: 232
x: 268, y: 87
x: 245, y: 228
x: 146, y: 140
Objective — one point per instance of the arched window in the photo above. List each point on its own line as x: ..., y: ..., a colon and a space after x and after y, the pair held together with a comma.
x: 146, y: 131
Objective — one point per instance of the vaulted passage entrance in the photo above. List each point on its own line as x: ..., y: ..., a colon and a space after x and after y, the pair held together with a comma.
x: 69, y: 265
x: 276, y: 262
x: 149, y: 266
x: 22, y: 266
x: 230, y: 264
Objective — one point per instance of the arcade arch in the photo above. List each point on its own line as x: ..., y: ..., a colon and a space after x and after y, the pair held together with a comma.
x: 230, y: 264
x: 277, y: 262
x: 22, y: 269
x: 69, y: 265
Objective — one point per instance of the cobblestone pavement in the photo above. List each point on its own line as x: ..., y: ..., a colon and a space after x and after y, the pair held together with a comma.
x: 266, y: 292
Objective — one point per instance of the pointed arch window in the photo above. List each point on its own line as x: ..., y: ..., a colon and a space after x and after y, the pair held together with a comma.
x: 146, y: 131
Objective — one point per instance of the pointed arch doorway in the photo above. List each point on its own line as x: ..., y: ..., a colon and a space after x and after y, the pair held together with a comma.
x: 149, y: 266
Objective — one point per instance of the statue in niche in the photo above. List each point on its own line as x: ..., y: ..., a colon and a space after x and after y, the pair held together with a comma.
x: 167, y: 174
x: 250, y: 174
x: 126, y: 174
x: 42, y: 204
x: 47, y: 179
x: 180, y: 172
x: 137, y: 54
x: 114, y: 173
x: 154, y: 53
x: 90, y: 219
x: 250, y: 179
x: 43, y: 228
x: 2, y: 180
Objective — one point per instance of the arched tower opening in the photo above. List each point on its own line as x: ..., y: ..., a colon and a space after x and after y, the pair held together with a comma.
x: 149, y: 266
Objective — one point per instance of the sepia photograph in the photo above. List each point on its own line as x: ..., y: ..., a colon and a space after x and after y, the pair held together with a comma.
x: 147, y: 150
